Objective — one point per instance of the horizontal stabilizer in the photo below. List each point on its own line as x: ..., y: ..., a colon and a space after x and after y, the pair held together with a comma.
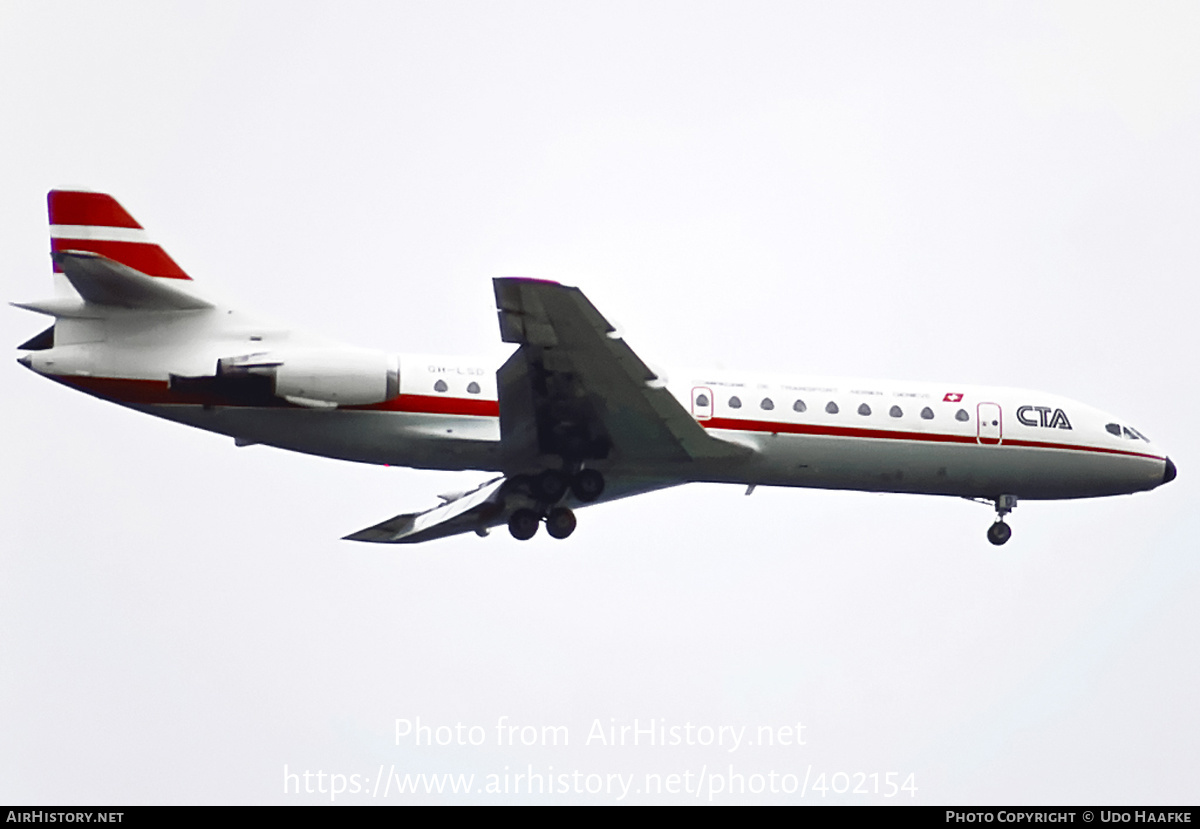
x: 473, y: 511
x: 63, y: 307
x: 41, y: 342
x: 103, y: 281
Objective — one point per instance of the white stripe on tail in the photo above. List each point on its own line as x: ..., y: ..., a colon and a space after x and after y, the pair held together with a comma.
x: 95, y: 222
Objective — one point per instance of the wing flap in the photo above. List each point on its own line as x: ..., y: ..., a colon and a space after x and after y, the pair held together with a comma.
x: 473, y: 511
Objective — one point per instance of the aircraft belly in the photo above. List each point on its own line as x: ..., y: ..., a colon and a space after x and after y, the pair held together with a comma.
x: 964, y: 469
x: 417, y: 440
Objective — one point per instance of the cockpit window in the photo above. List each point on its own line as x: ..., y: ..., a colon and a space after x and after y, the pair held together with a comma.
x: 1134, y: 434
x: 1113, y: 429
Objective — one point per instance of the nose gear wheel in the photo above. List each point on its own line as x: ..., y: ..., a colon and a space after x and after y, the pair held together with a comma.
x: 999, y: 533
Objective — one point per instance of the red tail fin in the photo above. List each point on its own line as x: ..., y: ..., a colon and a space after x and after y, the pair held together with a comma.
x: 96, y: 222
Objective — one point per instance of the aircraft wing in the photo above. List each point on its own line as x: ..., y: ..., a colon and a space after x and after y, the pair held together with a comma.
x: 575, y: 389
x: 572, y: 391
x: 489, y: 505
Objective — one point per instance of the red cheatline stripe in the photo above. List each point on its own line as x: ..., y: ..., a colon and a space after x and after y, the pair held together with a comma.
x: 1035, y: 444
x: 124, y: 390
x: 69, y: 207
x: 735, y: 425
x: 430, y: 404
x: 141, y: 256
x: 831, y: 431
x: 156, y: 392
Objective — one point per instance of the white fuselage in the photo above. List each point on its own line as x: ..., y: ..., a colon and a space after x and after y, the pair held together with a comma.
x: 573, y: 417
x: 811, y: 432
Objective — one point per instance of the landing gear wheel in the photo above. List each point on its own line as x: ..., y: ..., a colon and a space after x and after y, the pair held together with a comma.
x: 999, y: 533
x: 523, y: 524
x: 550, y: 486
x: 587, y: 485
x: 560, y: 522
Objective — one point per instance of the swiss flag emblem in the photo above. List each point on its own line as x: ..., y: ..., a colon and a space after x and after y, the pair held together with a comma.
x: 952, y: 397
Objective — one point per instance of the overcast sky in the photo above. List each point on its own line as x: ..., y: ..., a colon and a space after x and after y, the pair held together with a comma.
x: 991, y: 193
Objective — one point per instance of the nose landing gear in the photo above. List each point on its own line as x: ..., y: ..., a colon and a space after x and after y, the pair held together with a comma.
x: 1000, y: 532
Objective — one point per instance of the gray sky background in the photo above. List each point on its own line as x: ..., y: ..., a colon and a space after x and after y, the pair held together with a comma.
x: 994, y: 193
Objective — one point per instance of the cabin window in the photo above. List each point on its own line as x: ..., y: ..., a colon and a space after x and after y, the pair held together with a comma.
x: 440, y: 386
x: 962, y: 416
x: 735, y: 402
x: 927, y: 413
x: 831, y: 407
x: 702, y: 401
x: 864, y: 409
x: 895, y: 411
x: 799, y: 406
x: 1113, y: 429
x: 767, y: 404
x: 472, y: 387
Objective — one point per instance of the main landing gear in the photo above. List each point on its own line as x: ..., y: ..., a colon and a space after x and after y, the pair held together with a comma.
x: 523, y: 524
x: 547, y: 489
x: 560, y: 522
x: 1000, y: 532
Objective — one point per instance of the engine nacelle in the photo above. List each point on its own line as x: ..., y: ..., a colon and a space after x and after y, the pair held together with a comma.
x: 323, y: 377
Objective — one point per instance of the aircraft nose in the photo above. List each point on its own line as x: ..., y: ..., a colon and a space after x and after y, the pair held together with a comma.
x: 1169, y: 473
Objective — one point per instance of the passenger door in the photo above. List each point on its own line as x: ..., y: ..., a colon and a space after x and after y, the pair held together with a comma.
x: 991, y: 424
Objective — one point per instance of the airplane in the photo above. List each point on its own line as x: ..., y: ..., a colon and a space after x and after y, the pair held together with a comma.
x: 574, y: 417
